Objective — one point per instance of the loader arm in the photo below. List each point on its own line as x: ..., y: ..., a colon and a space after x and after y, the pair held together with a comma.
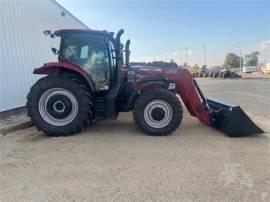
x: 192, y: 96
x: 228, y: 118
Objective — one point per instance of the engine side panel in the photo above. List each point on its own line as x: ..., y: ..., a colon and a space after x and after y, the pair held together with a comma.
x: 174, y: 79
x: 139, y: 79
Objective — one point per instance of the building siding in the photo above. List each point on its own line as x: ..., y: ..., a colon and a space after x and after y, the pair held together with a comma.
x: 23, y: 45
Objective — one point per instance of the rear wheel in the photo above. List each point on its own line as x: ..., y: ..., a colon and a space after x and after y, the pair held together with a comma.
x: 60, y: 105
x: 158, y: 112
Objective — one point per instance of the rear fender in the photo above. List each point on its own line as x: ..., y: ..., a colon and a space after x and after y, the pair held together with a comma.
x: 62, y: 67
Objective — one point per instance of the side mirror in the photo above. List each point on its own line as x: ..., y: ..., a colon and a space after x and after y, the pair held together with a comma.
x: 47, y: 32
x: 54, y: 50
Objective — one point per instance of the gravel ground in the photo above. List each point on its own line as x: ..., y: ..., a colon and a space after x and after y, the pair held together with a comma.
x: 113, y: 161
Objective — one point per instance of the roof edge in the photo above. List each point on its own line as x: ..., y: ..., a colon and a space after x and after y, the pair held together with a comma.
x: 59, y: 5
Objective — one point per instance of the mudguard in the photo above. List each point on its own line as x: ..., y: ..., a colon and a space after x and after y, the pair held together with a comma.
x: 61, y: 67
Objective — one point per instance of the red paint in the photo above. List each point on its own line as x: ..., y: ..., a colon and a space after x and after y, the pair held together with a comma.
x: 57, y: 67
x: 187, y: 91
x: 184, y: 87
x: 151, y: 85
x: 182, y: 78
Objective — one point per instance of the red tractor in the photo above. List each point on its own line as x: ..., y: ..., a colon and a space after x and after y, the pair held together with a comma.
x: 93, y: 81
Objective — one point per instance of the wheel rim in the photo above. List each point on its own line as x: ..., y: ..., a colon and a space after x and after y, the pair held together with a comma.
x: 58, y: 106
x: 158, y: 113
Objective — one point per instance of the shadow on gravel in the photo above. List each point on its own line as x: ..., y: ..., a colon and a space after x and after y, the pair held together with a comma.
x: 126, y: 127
x: 116, y: 127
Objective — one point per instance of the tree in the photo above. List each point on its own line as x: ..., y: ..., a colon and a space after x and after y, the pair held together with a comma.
x: 160, y: 64
x: 172, y: 61
x: 232, y: 60
x: 252, y: 59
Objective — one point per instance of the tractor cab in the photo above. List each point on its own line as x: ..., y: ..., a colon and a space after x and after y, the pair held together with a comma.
x: 98, y: 53
x: 98, y: 56
x: 90, y: 52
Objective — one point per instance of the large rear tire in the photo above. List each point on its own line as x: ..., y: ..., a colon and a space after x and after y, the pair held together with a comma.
x: 158, y: 112
x: 60, y: 105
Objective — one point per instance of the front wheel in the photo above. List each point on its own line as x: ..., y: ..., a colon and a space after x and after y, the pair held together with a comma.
x: 158, y: 112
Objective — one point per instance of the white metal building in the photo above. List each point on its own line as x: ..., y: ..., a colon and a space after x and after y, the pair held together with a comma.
x: 23, y: 46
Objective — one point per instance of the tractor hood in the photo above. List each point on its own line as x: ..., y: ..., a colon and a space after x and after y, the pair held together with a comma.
x: 149, y: 72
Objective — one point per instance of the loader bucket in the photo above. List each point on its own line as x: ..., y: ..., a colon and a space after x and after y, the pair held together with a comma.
x: 231, y: 119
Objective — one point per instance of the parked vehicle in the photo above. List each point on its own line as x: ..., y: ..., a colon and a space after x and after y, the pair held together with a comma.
x: 249, y: 69
x: 92, y: 82
x: 266, y: 69
x: 217, y: 74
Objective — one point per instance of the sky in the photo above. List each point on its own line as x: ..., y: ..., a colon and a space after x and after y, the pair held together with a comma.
x: 167, y: 29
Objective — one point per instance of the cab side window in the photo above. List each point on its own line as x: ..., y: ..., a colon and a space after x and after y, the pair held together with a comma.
x: 97, y: 62
x: 90, y: 52
x: 84, y: 52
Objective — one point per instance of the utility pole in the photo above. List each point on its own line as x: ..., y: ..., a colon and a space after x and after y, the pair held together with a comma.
x: 186, y: 59
x: 204, y: 54
x: 264, y: 55
x: 240, y: 63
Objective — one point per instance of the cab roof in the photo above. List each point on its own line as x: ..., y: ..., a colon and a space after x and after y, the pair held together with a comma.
x: 64, y: 31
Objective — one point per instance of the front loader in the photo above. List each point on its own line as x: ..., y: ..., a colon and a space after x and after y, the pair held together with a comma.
x: 93, y: 81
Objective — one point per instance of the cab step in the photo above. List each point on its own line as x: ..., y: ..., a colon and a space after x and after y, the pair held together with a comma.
x: 100, y: 109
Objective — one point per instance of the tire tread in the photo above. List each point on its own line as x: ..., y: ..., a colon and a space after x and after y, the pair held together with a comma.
x: 71, y: 83
x: 149, y: 95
